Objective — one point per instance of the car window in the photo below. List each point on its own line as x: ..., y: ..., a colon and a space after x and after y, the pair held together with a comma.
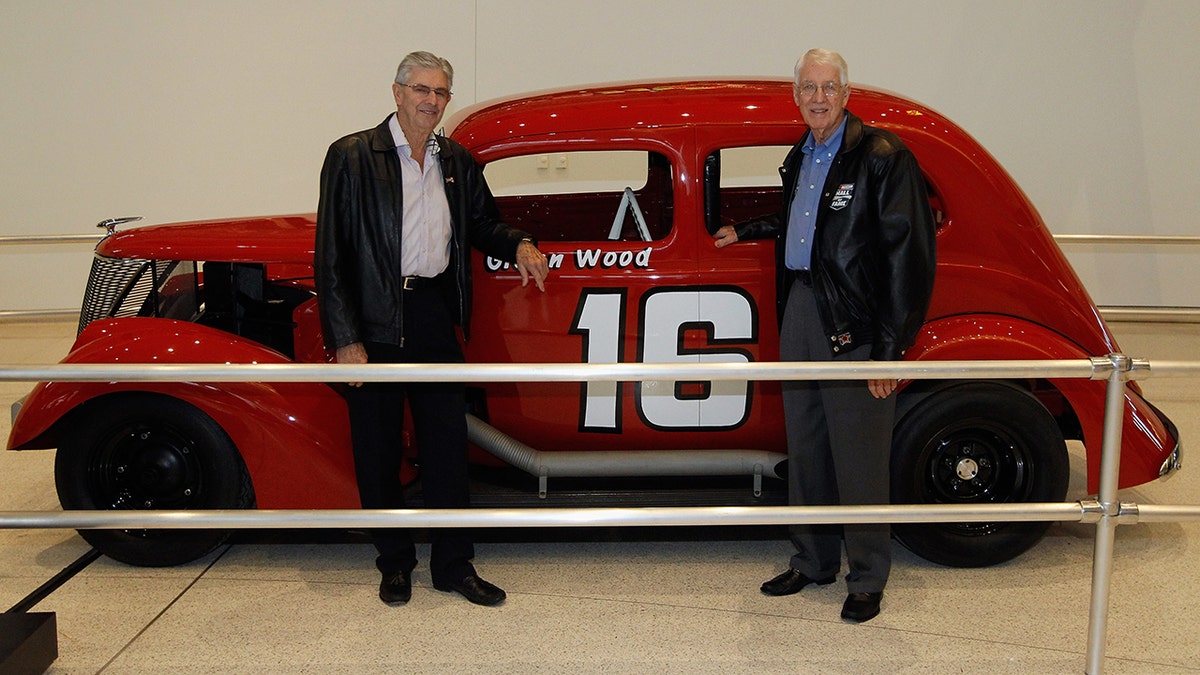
x: 618, y: 195
x: 743, y: 183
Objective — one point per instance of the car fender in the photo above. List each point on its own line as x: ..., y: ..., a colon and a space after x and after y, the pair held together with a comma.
x: 308, y: 420
x: 1146, y: 441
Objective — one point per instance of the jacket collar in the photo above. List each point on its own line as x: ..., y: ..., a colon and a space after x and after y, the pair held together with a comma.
x: 381, y: 137
x: 853, y: 134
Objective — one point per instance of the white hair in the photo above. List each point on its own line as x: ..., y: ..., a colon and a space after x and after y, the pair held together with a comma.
x: 824, y: 57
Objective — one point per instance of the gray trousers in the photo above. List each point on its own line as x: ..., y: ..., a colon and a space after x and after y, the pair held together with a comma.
x: 839, y: 443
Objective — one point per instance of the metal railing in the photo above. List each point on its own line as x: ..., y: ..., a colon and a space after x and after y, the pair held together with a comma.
x: 40, y: 239
x: 1119, y: 239
x: 1131, y: 313
x: 1147, y: 314
x: 1105, y: 511
x: 35, y: 315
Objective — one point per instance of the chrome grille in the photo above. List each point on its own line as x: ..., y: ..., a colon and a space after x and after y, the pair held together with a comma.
x: 120, y: 287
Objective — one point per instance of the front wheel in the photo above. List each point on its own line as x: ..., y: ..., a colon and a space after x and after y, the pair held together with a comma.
x: 148, y: 451
x: 977, y: 443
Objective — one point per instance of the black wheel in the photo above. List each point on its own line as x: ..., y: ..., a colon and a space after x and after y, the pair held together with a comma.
x: 148, y: 451
x: 981, y: 442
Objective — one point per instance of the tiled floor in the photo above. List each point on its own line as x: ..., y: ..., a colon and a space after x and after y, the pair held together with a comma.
x: 611, y: 601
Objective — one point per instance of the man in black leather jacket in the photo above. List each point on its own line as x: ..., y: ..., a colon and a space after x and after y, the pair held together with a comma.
x: 399, y: 209
x: 855, y: 265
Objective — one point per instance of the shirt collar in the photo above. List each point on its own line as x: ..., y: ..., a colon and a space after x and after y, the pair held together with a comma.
x: 830, y: 145
x: 401, y: 142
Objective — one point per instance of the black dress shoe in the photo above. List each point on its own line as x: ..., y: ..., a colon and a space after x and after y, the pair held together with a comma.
x: 476, y: 590
x: 861, y: 607
x: 790, y: 582
x: 395, y: 589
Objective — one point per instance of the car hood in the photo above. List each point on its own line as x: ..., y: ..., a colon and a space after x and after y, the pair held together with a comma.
x: 269, y: 239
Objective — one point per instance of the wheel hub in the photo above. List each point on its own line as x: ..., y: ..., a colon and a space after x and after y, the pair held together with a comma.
x: 148, y: 468
x: 968, y: 469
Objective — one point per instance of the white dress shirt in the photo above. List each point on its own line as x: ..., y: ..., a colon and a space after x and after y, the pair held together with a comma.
x: 425, y: 241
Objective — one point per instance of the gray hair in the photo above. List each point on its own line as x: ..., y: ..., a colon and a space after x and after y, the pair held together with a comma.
x: 824, y: 57
x: 424, y: 60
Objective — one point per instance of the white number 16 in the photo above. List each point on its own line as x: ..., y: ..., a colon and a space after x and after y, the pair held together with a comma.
x: 726, y: 315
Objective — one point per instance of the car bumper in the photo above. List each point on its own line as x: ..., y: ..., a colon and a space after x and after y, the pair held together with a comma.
x: 1173, y: 461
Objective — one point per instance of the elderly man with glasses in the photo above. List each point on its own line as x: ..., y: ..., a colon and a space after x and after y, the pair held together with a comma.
x: 399, y: 210
x: 855, y: 269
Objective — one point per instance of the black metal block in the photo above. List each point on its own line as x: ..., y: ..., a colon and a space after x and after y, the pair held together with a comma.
x: 28, y: 642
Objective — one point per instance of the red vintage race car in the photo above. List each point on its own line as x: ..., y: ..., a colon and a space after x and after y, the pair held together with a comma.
x: 623, y: 185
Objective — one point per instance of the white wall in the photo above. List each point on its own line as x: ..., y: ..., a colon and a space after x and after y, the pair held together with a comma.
x: 181, y: 110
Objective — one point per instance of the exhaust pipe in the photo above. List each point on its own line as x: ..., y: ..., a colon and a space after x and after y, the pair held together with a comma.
x: 624, y: 463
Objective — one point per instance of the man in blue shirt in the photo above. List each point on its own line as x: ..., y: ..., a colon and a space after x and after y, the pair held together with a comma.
x: 855, y: 270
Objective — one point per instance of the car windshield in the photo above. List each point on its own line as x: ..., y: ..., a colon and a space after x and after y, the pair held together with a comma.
x: 238, y: 298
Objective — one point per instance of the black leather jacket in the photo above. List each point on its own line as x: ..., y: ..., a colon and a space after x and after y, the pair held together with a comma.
x: 873, y: 256
x: 359, y: 218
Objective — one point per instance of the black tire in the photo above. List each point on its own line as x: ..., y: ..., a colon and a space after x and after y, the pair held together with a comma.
x: 976, y: 443
x: 149, y: 451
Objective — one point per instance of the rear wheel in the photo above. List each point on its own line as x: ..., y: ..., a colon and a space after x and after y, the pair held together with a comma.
x: 977, y: 443
x: 148, y: 451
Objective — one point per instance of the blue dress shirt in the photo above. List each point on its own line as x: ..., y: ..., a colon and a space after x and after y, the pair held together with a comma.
x: 802, y: 215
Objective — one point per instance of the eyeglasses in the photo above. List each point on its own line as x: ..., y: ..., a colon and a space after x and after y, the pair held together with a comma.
x: 423, y: 91
x: 809, y: 89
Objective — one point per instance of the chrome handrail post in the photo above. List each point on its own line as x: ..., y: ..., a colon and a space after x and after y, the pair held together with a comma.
x: 1106, y: 527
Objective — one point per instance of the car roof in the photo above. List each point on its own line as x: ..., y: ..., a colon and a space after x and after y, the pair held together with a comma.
x: 658, y: 104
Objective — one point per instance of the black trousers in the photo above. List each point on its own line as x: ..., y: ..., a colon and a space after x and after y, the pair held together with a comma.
x: 439, y: 422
